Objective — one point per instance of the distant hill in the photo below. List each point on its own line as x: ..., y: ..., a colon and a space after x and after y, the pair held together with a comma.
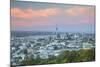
x: 29, y: 33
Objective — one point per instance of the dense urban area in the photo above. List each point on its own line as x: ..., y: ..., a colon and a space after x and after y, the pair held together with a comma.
x: 32, y: 48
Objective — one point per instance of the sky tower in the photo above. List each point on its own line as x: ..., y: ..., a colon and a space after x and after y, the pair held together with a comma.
x: 56, y: 30
x: 57, y: 33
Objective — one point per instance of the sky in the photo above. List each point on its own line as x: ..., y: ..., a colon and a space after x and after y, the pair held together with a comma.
x: 38, y: 16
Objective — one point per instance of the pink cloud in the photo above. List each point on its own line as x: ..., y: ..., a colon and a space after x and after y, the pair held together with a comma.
x: 21, y: 24
x: 75, y: 11
x: 30, y: 13
x: 36, y: 17
x: 32, y: 22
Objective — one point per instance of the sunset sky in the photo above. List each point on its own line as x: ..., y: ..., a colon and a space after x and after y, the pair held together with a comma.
x: 34, y: 16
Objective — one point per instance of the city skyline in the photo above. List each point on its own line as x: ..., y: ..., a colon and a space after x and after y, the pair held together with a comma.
x: 51, y: 33
x: 34, y: 16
